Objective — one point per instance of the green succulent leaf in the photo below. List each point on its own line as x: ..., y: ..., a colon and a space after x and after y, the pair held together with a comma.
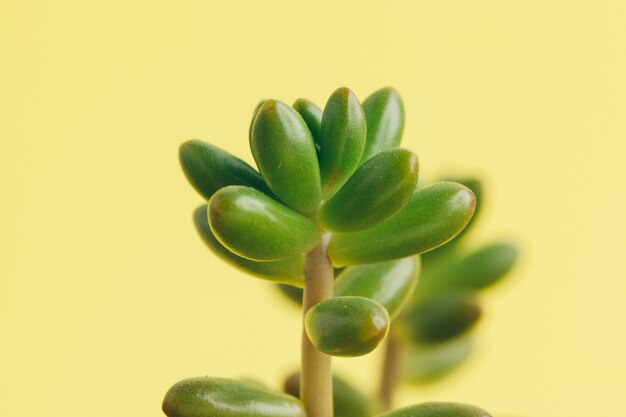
x: 288, y: 271
x: 384, y: 113
x: 342, y: 139
x: 312, y: 116
x: 254, y: 226
x: 208, y: 168
x: 425, y: 364
x: 435, y: 409
x: 433, y: 216
x: 347, y: 400
x: 441, y: 317
x: 284, y: 151
x: 346, y: 326
x: 219, y: 397
x: 388, y: 283
x: 377, y: 190
x: 478, y: 270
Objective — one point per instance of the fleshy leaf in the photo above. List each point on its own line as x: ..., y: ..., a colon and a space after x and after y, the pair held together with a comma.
x: 425, y: 364
x: 209, y: 168
x: 433, y: 216
x: 384, y: 113
x: 288, y: 271
x: 312, y: 116
x: 388, y: 283
x: 346, y: 326
x: 438, y: 410
x: 256, y: 227
x: 376, y: 191
x: 347, y: 400
x: 284, y: 151
x: 442, y: 317
x: 342, y: 139
x: 219, y: 397
x: 478, y: 270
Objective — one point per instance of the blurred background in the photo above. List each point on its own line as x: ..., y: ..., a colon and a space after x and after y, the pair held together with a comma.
x: 107, y: 295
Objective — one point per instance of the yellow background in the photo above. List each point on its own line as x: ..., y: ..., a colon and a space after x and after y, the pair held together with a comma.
x: 107, y: 296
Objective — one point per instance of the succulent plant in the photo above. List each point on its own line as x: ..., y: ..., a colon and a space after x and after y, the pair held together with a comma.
x: 333, y: 195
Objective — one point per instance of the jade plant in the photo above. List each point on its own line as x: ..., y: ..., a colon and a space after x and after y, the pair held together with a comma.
x: 432, y: 337
x: 333, y: 195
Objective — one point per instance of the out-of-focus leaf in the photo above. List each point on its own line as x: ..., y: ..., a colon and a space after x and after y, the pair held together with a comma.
x: 441, y: 317
x: 424, y: 364
x: 347, y: 400
x: 388, y: 283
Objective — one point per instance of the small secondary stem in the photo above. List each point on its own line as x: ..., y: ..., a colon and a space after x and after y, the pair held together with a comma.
x: 316, y: 383
x: 390, y: 373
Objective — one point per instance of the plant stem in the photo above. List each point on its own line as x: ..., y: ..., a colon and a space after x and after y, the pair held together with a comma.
x: 390, y: 373
x: 316, y: 383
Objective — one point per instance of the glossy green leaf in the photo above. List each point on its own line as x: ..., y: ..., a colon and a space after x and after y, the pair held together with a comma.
x: 208, y: 168
x: 438, y: 410
x: 388, y: 283
x: 219, y: 397
x: 284, y: 151
x: 342, y: 139
x: 476, y: 271
x: 312, y: 116
x: 442, y: 317
x: 346, y: 326
x: 289, y: 271
x: 347, y: 400
x: 376, y: 191
x: 425, y: 364
x: 384, y: 113
x: 254, y: 226
x: 433, y: 215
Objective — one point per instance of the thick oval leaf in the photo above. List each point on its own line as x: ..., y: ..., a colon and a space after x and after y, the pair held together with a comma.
x: 384, y: 113
x: 254, y: 226
x: 425, y: 364
x: 388, y: 283
x: 347, y: 400
x: 208, y: 168
x: 284, y: 151
x: 346, y: 326
x: 289, y: 271
x: 312, y: 116
x: 342, y: 139
x: 476, y: 271
x: 441, y: 317
x: 376, y: 191
x: 438, y: 410
x: 433, y: 215
x: 219, y: 397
